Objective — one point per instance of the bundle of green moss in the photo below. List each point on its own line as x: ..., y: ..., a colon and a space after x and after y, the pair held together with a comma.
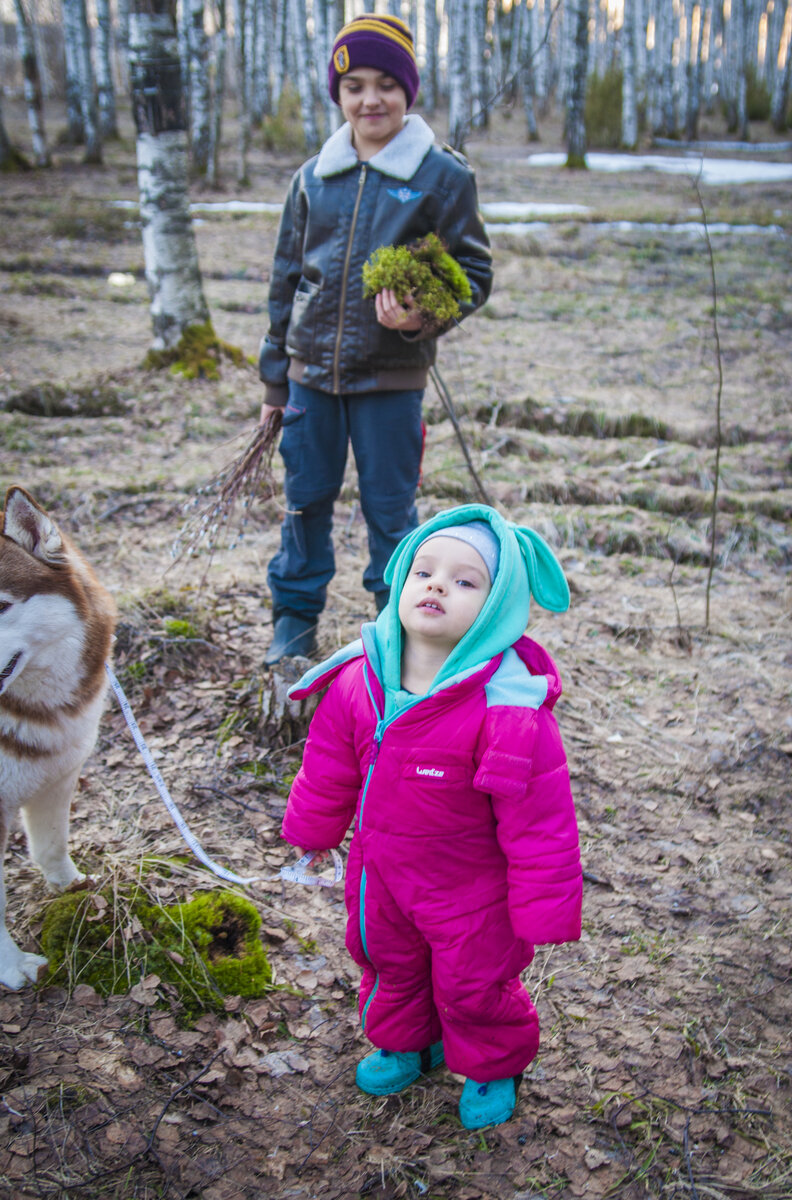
x: 424, y: 270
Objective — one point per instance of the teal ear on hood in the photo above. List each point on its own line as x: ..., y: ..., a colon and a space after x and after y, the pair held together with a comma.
x: 527, y: 566
x: 545, y: 577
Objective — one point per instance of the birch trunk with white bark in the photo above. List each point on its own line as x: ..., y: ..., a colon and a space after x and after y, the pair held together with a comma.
x: 200, y: 95
x: 218, y: 94
x: 458, y: 90
x: 527, y: 61
x: 89, y: 110
x: 74, y: 120
x: 780, y: 98
x: 430, y: 75
x: 105, y: 88
x: 693, y: 109
x: 303, y: 48
x: 576, y: 94
x: 33, y: 95
x: 629, y: 115
x: 169, y: 251
x: 243, y: 99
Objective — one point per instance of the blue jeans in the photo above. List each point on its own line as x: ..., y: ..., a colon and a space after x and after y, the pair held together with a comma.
x: 386, y: 433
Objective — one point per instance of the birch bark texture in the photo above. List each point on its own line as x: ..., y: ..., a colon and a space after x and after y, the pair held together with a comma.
x: 200, y: 95
x: 103, y: 65
x: 77, y: 29
x: 629, y: 121
x: 33, y: 94
x: 169, y: 250
x: 577, y: 77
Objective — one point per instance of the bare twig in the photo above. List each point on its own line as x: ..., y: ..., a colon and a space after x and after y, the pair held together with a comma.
x: 246, y: 479
x: 719, y: 361
x: 448, y: 405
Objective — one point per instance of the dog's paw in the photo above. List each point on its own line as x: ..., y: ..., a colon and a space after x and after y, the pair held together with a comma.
x: 17, y: 968
x: 63, y: 876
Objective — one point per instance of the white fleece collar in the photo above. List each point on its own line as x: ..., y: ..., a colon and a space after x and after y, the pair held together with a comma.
x: 401, y: 157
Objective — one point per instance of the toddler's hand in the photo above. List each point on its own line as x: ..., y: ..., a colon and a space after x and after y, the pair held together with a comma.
x: 319, y: 855
x: 405, y: 317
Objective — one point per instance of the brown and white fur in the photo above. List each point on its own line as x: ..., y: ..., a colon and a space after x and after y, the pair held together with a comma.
x: 56, y: 627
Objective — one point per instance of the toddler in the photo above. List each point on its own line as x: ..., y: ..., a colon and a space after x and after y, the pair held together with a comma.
x: 437, y: 734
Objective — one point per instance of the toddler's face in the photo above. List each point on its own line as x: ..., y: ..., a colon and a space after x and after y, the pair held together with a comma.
x: 444, y: 592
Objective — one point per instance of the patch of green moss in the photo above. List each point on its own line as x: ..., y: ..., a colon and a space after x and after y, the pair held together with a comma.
x: 423, y: 270
x: 202, y: 950
x: 197, y: 354
x: 177, y: 627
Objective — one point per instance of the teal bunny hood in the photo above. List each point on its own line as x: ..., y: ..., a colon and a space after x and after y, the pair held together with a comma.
x: 526, y: 567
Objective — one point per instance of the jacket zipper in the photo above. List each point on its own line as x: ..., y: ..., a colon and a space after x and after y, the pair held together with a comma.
x: 345, y: 281
x: 378, y: 733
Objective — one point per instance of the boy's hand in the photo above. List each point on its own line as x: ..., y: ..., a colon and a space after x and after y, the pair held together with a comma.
x: 403, y: 317
x: 267, y: 410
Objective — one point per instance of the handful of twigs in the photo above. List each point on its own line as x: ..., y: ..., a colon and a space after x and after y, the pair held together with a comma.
x: 214, y: 510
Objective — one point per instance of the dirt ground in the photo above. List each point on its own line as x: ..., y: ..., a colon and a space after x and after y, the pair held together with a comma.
x: 587, y: 391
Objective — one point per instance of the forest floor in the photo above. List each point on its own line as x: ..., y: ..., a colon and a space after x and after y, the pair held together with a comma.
x: 587, y: 391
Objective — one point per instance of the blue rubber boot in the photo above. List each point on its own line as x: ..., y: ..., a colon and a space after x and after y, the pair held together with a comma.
x: 385, y: 1072
x: 488, y: 1103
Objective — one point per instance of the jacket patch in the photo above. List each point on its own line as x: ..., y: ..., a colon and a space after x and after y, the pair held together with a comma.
x: 433, y: 771
x: 404, y: 194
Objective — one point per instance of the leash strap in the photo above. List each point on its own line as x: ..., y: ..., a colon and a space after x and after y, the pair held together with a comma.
x: 296, y: 873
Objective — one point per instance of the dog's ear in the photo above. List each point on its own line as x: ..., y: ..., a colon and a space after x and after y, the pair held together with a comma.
x: 31, y: 528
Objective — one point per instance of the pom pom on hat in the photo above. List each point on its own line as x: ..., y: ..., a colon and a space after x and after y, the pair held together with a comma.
x: 382, y: 42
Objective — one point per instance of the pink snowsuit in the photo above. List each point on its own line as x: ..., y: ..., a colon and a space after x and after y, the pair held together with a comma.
x: 464, y: 855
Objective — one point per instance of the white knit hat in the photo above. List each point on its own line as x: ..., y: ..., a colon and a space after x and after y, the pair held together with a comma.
x: 480, y: 536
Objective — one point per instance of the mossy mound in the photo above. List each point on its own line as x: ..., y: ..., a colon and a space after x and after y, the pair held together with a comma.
x: 423, y: 270
x: 197, y: 354
x: 202, y: 950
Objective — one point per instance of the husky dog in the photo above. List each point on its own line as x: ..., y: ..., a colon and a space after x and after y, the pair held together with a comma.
x: 56, y: 626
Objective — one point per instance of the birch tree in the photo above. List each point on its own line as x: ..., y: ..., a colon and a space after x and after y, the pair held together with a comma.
x: 105, y: 88
x: 629, y: 114
x: 577, y: 75
x: 200, y: 105
x: 300, y: 40
x: 430, y: 76
x: 527, y: 56
x: 74, y: 119
x: 218, y: 94
x: 694, y: 74
x: 78, y: 30
x: 170, y: 255
x: 780, y: 98
x: 458, y: 89
x: 243, y: 99
x: 33, y: 95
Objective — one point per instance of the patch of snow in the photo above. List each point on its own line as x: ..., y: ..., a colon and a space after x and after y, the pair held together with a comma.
x: 715, y: 171
x: 692, y: 228
x: 731, y: 147
x: 220, y: 206
x: 506, y: 210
